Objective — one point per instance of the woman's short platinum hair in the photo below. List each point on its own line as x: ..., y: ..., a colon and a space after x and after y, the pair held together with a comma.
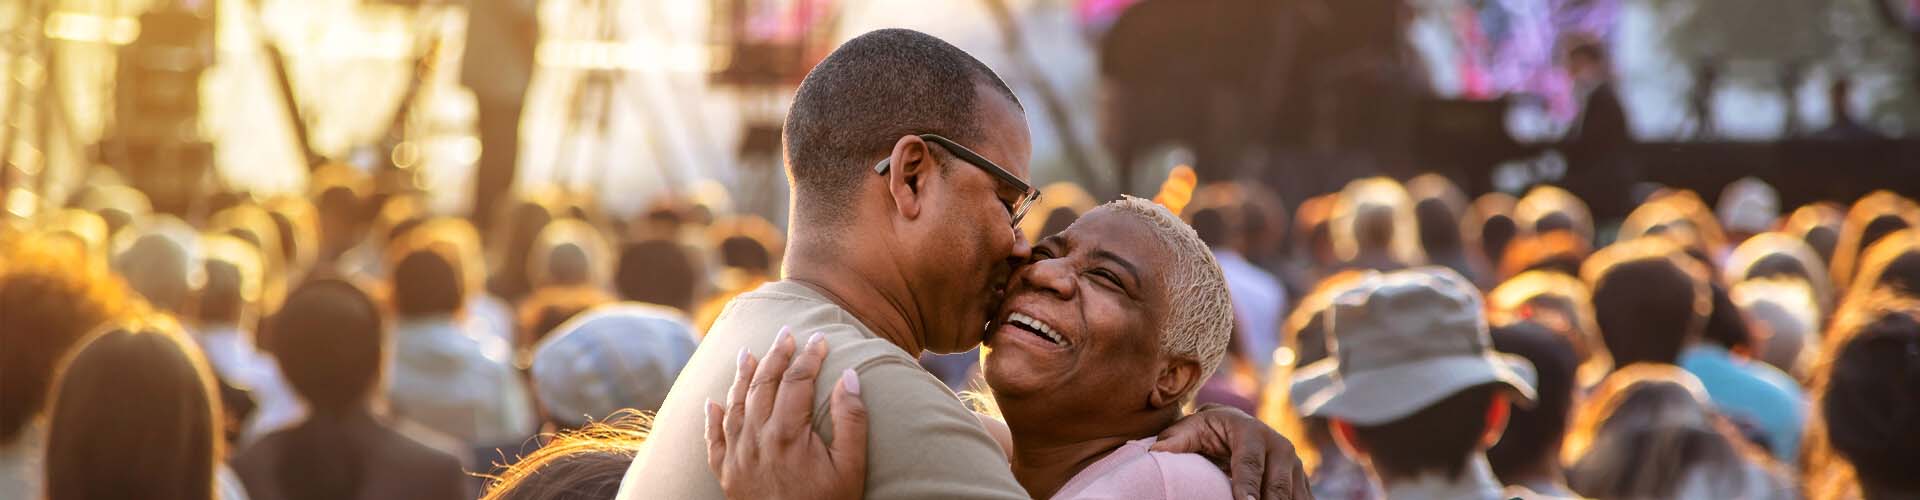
x: 1199, y: 321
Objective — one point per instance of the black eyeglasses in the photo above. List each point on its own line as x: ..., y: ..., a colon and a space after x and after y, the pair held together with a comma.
x: 1028, y: 195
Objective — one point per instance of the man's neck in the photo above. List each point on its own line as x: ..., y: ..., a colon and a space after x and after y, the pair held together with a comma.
x: 1475, y: 481
x: 875, y: 295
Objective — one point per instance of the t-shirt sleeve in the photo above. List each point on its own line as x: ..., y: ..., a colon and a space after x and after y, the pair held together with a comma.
x: 1158, y: 476
x: 921, y: 442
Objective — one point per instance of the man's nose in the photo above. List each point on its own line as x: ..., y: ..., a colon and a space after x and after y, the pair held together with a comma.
x: 1022, y: 249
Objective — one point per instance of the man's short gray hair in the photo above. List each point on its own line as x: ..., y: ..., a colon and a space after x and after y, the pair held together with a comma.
x: 1199, y: 322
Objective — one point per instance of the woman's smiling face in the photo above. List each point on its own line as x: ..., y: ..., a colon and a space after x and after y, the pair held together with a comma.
x: 1081, y: 322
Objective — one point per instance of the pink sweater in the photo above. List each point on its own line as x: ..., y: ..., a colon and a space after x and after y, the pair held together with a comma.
x: 1134, y: 472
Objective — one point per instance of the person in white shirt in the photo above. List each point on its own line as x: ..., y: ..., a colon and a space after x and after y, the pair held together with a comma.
x: 442, y: 376
x: 225, y: 305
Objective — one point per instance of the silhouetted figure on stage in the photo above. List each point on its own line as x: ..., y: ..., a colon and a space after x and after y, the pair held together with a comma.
x: 501, y: 35
x: 1844, y: 128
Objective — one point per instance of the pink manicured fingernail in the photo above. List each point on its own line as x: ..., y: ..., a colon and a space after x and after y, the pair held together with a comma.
x: 815, y: 339
x: 742, y: 359
x: 851, y: 380
x: 707, y: 408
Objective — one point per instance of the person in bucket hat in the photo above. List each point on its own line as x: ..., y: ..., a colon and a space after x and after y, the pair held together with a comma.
x: 1413, y: 387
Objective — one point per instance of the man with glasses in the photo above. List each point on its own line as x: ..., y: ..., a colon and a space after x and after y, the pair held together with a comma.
x: 907, y: 158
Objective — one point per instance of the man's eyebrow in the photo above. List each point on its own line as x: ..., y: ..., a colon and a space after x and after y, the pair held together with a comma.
x: 1104, y: 254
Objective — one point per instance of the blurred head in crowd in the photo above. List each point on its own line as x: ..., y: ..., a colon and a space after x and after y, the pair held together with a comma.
x: 1819, y: 224
x: 1414, y: 386
x: 1528, y: 453
x: 330, y: 338
x: 1374, y: 226
x: 1559, y: 303
x: 611, y: 357
x: 1559, y: 251
x: 297, y: 226
x: 584, y: 464
x: 513, y: 244
x: 85, y: 228
x: 134, y: 416
x: 251, y: 224
x: 1866, y: 391
x: 1893, y: 262
x: 1127, y: 299
x: 569, y: 252
x: 657, y: 272
x: 161, y: 259
x: 119, y: 206
x: 933, y: 222
x: 1726, y: 324
x: 1748, y: 206
x: 1439, y: 207
x: 1264, y: 222
x: 1649, y: 300
x: 340, y: 197
x: 1649, y: 431
x: 1780, y: 255
x: 1679, y: 216
x: 1785, y: 317
x: 1875, y: 216
x: 545, y: 310
x: 1313, y: 231
x: 1546, y: 209
x: 1060, y: 203
x: 428, y: 282
x: 234, y: 273
x: 50, y: 296
x: 748, y: 250
x: 1491, y: 224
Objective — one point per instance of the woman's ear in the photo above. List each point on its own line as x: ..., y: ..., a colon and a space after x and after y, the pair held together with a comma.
x: 1497, y: 413
x: 1176, y: 379
x: 907, y: 168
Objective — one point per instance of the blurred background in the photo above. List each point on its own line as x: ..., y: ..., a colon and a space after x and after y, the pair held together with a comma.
x: 636, y: 100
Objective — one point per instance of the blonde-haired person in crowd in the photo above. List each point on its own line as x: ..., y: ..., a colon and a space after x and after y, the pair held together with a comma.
x: 1560, y: 303
x: 1126, y: 299
x: 1865, y: 435
x: 120, y: 206
x: 1439, y: 209
x: 1892, y: 262
x: 138, y: 382
x: 1491, y: 225
x: 1787, y: 319
x: 1649, y: 431
x: 253, y: 224
x: 1373, y: 226
x: 570, y: 252
x: 1776, y: 254
x: 1817, y: 223
x: 1547, y: 208
x: 1872, y: 217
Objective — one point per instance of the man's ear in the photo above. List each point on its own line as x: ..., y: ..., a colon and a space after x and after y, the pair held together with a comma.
x: 1176, y: 378
x: 907, y: 173
x: 1497, y: 413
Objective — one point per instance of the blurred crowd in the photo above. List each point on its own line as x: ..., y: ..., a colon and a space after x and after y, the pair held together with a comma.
x: 350, y: 344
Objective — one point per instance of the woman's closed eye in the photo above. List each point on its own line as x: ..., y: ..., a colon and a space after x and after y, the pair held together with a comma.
x: 1109, y: 277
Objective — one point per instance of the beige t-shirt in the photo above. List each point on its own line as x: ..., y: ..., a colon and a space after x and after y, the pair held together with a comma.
x: 922, y: 443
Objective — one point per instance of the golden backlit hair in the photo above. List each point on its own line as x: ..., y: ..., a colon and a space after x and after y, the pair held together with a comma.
x: 587, y: 463
x: 1376, y: 194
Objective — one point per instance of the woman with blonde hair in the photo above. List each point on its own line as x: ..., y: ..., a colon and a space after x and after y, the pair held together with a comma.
x: 134, y: 415
x: 1648, y: 431
x: 1873, y: 217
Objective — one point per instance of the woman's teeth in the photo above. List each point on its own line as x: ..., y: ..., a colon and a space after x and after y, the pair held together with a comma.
x: 1027, y: 323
